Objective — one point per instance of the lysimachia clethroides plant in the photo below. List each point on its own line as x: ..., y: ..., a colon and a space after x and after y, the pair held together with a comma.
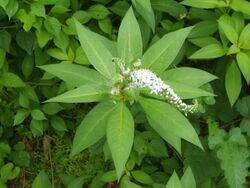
x: 122, y: 76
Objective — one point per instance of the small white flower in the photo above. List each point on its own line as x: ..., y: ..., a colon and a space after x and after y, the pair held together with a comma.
x: 144, y: 78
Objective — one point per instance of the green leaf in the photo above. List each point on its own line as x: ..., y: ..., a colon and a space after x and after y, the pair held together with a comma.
x: 120, y: 136
x: 58, y: 54
x: 62, y: 41
x: 27, y: 41
x: 233, y: 152
x: 58, y: 123
x: 145, y: 10
x: 241, y: 6
x: 5, y: 39
x: 36, y: 127
x: 244, y: 40
x: 204, y: 165
x: 233, y: 82
x: 92, y: 128
x: 127, y: 184
x: 98, y: 11
x: 27, y: 19
x: 243, y: 61
x: 188, y: 180
x: 42, y: 181
x: 109, y: 176
x: 204, y: 41
x: 185, y: 91
x: 129, y: 42
x: 243, y: 106
x: 97, y: 53
x: 52, y: 25
x: 9, y: 79
x: 2, y: 57
x: 38, y: 9
x: 75, y: 75
x: 174, y: 182
x: 43, y: 37
x: 142, y: 177
x: 4, y: 3
x: 187, y: 75
x: 82, y: 94
x: 171, y: 7
x: 51, y: 108
x: 4, y: 149
x: 239, y: 22
x: 106, y: 25
x: 8, y: 172
x: 120, y: 8
x: 208, y: 4
x: 173, y: 140
x: 20, y: 116
x: 76, y: 183
x: 11, y: 8
x: 209, y: 52
x: 169, y: 121
x: 227, y: 25
x: 38, y: 115
x: 27, y: 66
x: 245, y: 126
x: 162, y: 53
x: 203, y: 29
x: 82, y: 16
x: 24, y: 101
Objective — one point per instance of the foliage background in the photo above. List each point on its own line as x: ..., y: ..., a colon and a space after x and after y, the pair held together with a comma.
x: 37, y: 136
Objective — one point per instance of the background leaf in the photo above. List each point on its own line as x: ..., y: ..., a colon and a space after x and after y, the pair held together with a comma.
x: 233, y: 82
x: 42, y: 181
x: 98, y: 55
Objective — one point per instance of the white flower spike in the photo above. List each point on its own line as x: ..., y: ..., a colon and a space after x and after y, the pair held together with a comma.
x: 139, y: 78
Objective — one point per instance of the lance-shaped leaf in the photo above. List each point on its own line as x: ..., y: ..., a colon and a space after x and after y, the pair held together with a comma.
x: 92, y: 127
x: 209, y: 52
x: 120, y: 136
x: 170, y: 120
x: 187, y: 75
x: 188, y: 179
x: 228, y: 27
x: 75, y: 75
x: 129, y: 44
x: 204, y: 3
x: 83, y: 94
x: 145, y: 10
x: 97, y: 53
x: 174, y: 182
x: 163, y: 131
x: 162, y: 53
x: 42, y: 181
x: 243, y: 61
x: 233, y: 82
x: 244, y: 39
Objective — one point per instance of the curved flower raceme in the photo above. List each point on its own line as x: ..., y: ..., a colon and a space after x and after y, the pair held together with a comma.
x: 144, y: 78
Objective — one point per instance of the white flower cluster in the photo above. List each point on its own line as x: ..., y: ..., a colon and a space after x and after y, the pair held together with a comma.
x: 144, y: 78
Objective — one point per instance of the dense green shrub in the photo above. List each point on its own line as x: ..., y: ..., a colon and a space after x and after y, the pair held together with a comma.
x: 140, y: 93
